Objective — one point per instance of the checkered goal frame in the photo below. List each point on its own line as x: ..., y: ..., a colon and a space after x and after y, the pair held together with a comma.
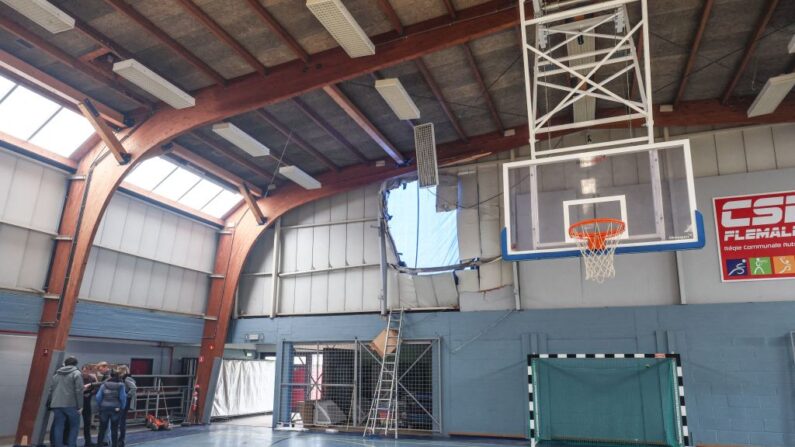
x: 685, y: 433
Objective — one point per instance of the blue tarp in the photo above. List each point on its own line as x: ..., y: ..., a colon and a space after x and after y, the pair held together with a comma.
x: 429, y: 239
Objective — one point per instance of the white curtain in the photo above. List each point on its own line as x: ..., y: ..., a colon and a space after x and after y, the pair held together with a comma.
x: 244, y: 387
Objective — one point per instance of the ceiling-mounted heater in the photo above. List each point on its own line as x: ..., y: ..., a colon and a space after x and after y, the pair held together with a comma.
x: 334, y: 16
x: 44, y: 14
x: 425, y: 147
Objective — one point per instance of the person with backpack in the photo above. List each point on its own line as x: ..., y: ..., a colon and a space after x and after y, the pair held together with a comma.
x: 111, y: 399
x: 65, y: 399
x: 132, y: 387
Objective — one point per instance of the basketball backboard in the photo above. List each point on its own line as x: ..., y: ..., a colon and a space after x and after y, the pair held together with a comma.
x: 648, y: 187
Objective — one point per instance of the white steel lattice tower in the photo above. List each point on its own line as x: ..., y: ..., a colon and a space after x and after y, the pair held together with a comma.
x: 582, y: 55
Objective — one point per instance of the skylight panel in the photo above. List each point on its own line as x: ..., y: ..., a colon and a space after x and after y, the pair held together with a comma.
x: 23, y: 112
x: 64, y: 133
x: 222, y: 203
x: 5, y: 87
x: 150, y: 173
x: 177, y: 184
x: 201, y: 194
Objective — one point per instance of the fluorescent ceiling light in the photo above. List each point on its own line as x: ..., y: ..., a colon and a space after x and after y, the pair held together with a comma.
x: 300, y: 177
x: 234, y: 135
x: 774, y: 91
x: 398, y: 99
x: 44, y: 14
x: 153, y: 83
x: 334, y: 16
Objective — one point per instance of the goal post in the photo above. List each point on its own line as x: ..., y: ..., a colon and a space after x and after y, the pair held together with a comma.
x: 607, y: 400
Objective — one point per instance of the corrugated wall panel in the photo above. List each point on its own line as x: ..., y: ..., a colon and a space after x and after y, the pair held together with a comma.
x: 35, y: 261
x: 123, y: 280
x: 759, y: 149
x: 50, y: 201
x: 336, y: 291
x: 13, y: 240
x: 8, y: 163
x: 141, y: 278
x: 23, y: 193
x: 731, y: 153
x: 165, y: 240
x: 134, y: 227
x: 784, y: 141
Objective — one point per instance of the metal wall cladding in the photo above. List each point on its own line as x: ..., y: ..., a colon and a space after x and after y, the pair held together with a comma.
x: 337, y: 239
x: 148, y: 257
x: 141, y: 229
x: 480, y: 222
x: 31, y: 201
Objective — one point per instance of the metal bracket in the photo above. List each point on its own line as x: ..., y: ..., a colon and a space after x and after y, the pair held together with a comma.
x: 63, y: 237
x: 76, y: 177
x: 217, y: 276
x: 50, y: 296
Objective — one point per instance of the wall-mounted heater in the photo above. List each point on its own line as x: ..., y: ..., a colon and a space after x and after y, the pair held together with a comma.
x: 44, y: 14
x: 397, y: 98
x: 300, y: 177
x: 425, y: 147
x: 775, y: 90
x: 236, y: 136
x: 334, y: 16
x: 154, y: 84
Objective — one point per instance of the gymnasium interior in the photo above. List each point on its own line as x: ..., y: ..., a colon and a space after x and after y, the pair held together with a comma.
x: 397, y: 223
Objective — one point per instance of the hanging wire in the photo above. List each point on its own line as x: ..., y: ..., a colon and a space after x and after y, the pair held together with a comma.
x: 278, y: 164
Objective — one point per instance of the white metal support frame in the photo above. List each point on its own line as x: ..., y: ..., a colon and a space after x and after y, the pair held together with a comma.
x: 553, y: 69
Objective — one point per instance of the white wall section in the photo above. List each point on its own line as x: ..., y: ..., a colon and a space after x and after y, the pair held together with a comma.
x: 31, y: 200
x: 148, y: 257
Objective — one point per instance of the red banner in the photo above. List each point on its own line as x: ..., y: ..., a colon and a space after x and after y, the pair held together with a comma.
x: 756, y: 236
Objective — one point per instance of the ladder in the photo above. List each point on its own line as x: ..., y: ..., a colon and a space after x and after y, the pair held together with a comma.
x: 383, y: 413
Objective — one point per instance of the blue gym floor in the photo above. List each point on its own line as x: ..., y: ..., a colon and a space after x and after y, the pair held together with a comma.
x: 229, y: 436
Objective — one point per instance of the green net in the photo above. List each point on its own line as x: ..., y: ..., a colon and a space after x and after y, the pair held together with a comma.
x: 606, y: 402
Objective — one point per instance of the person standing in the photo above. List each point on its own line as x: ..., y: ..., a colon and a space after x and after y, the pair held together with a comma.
x: 132, y: 387
x: 90, y: 387
x: 65, y: 399
x: 111, y: 399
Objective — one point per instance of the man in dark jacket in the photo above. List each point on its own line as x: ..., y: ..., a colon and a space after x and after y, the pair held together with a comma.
x: 66, y: 400
x: 90, y: 388
x: 111, y: 399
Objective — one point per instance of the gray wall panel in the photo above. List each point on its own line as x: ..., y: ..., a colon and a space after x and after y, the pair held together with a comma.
x: 145, y: 256
x: 31, y: 201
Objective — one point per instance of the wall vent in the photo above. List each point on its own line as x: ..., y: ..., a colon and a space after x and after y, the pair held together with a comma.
x: 425, y: 147
x: 334, y: 16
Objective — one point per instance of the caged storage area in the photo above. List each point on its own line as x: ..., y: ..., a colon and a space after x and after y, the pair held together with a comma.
x: 332, y: 385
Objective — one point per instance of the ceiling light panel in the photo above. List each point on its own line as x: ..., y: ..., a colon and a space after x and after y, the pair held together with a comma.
x: 398, y: 98
x: 774, y: 91
x: 334, y: 16
x: 44, y: 14
x: 300, y: 177
x: 154, y: 84
x: 234, y: 135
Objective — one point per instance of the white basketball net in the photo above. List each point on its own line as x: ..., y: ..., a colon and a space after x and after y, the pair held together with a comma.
x: 597, y: 241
